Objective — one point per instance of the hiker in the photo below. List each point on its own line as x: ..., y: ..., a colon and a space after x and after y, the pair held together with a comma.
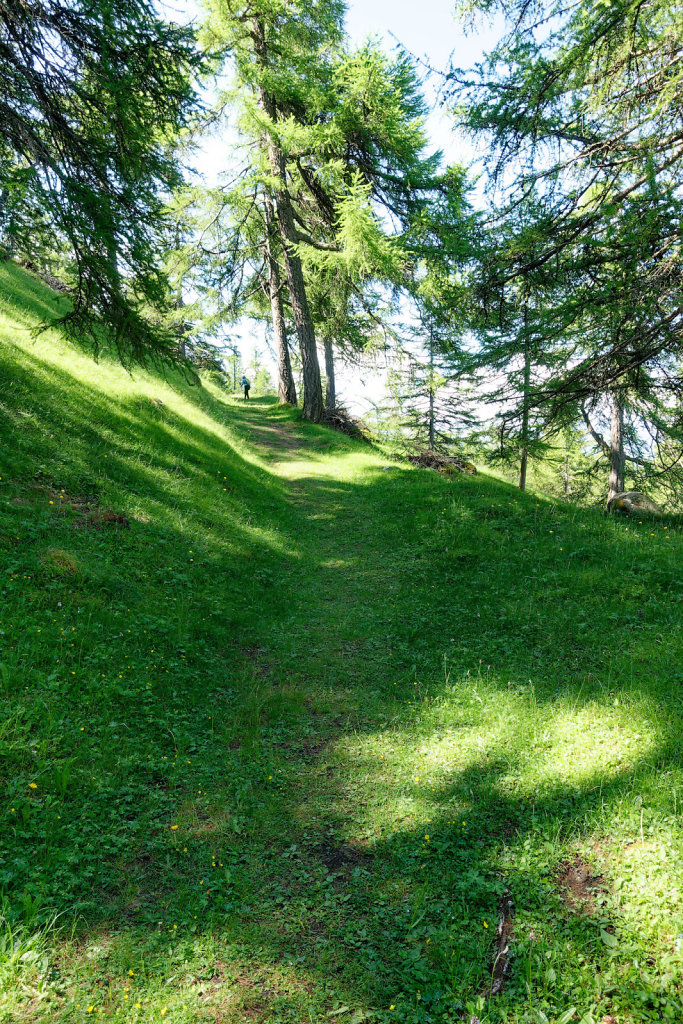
x: 246, y: 385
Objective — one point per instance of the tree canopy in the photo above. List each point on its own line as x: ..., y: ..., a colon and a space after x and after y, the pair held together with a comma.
x: 578, y: 106
x: 94, y: 95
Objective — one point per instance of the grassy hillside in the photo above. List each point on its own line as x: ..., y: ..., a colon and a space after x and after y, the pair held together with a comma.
x: 288, y: 734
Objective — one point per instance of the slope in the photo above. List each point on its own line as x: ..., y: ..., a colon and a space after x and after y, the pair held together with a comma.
x: 289, y: 735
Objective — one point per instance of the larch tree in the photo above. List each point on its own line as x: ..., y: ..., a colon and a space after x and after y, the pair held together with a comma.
x: 93, y: 97
x: 434, y: 391
x: 516, y: 354
x: 279, y: 53
x: 366, y: 197
x: 337, y: 147
x: 577, y: 108
x: 237, y: 253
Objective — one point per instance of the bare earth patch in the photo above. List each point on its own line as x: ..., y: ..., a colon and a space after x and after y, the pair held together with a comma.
x: 102, y: 519
x: 275, y: 436
x: 579, y: 887
x: 340, y: 858
x: 254, y: 655
x: 91, y: 515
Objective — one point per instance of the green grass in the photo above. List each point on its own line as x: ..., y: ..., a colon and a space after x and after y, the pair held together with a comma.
x: 281, y: 748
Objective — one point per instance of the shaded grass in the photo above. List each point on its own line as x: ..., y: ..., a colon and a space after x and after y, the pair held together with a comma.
x: 282, y: 746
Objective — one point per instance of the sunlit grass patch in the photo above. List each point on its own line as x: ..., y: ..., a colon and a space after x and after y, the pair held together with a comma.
x: 505, y: 743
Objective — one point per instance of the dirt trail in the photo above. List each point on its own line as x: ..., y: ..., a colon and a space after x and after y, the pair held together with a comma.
x: 275, y: 436
x: 279, y: 442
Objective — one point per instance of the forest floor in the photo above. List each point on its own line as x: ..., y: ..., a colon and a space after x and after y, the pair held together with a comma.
x: 293, y: 733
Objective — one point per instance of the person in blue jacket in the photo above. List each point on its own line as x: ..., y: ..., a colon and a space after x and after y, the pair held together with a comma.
x: 246, y: 385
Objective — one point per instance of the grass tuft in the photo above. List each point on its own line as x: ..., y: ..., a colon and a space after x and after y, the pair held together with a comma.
x: 59, y: 562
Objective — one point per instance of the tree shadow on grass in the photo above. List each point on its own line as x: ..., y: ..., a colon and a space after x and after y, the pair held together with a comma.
x: 410, y: 911
x: 299, y: 904
x: 222, y: 803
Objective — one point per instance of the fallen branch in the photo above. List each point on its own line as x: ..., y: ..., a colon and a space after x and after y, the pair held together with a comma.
x: 340, y: 419
x: 430, y: 459
x: 501, y: 961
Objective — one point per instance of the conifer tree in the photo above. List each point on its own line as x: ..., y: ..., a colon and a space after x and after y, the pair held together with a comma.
x: 338, y: 139
x: 238, y: 268
x: 93, y: 97
x: 578, y: 109
x: 279, y: 56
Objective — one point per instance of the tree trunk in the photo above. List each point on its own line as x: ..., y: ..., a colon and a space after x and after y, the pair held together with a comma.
x: 313, y: 394
x: 616, y: 445
x: 179, y: 302
x: 431, y: 392
x: 330, y: 388
x: 286, y: 389
x: 524, y: 454
x: 182, y: 328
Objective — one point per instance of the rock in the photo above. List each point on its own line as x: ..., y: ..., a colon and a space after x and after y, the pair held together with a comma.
x: 634, y: 503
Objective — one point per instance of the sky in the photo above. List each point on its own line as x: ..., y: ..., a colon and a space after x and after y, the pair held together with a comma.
x: 429, y: 31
